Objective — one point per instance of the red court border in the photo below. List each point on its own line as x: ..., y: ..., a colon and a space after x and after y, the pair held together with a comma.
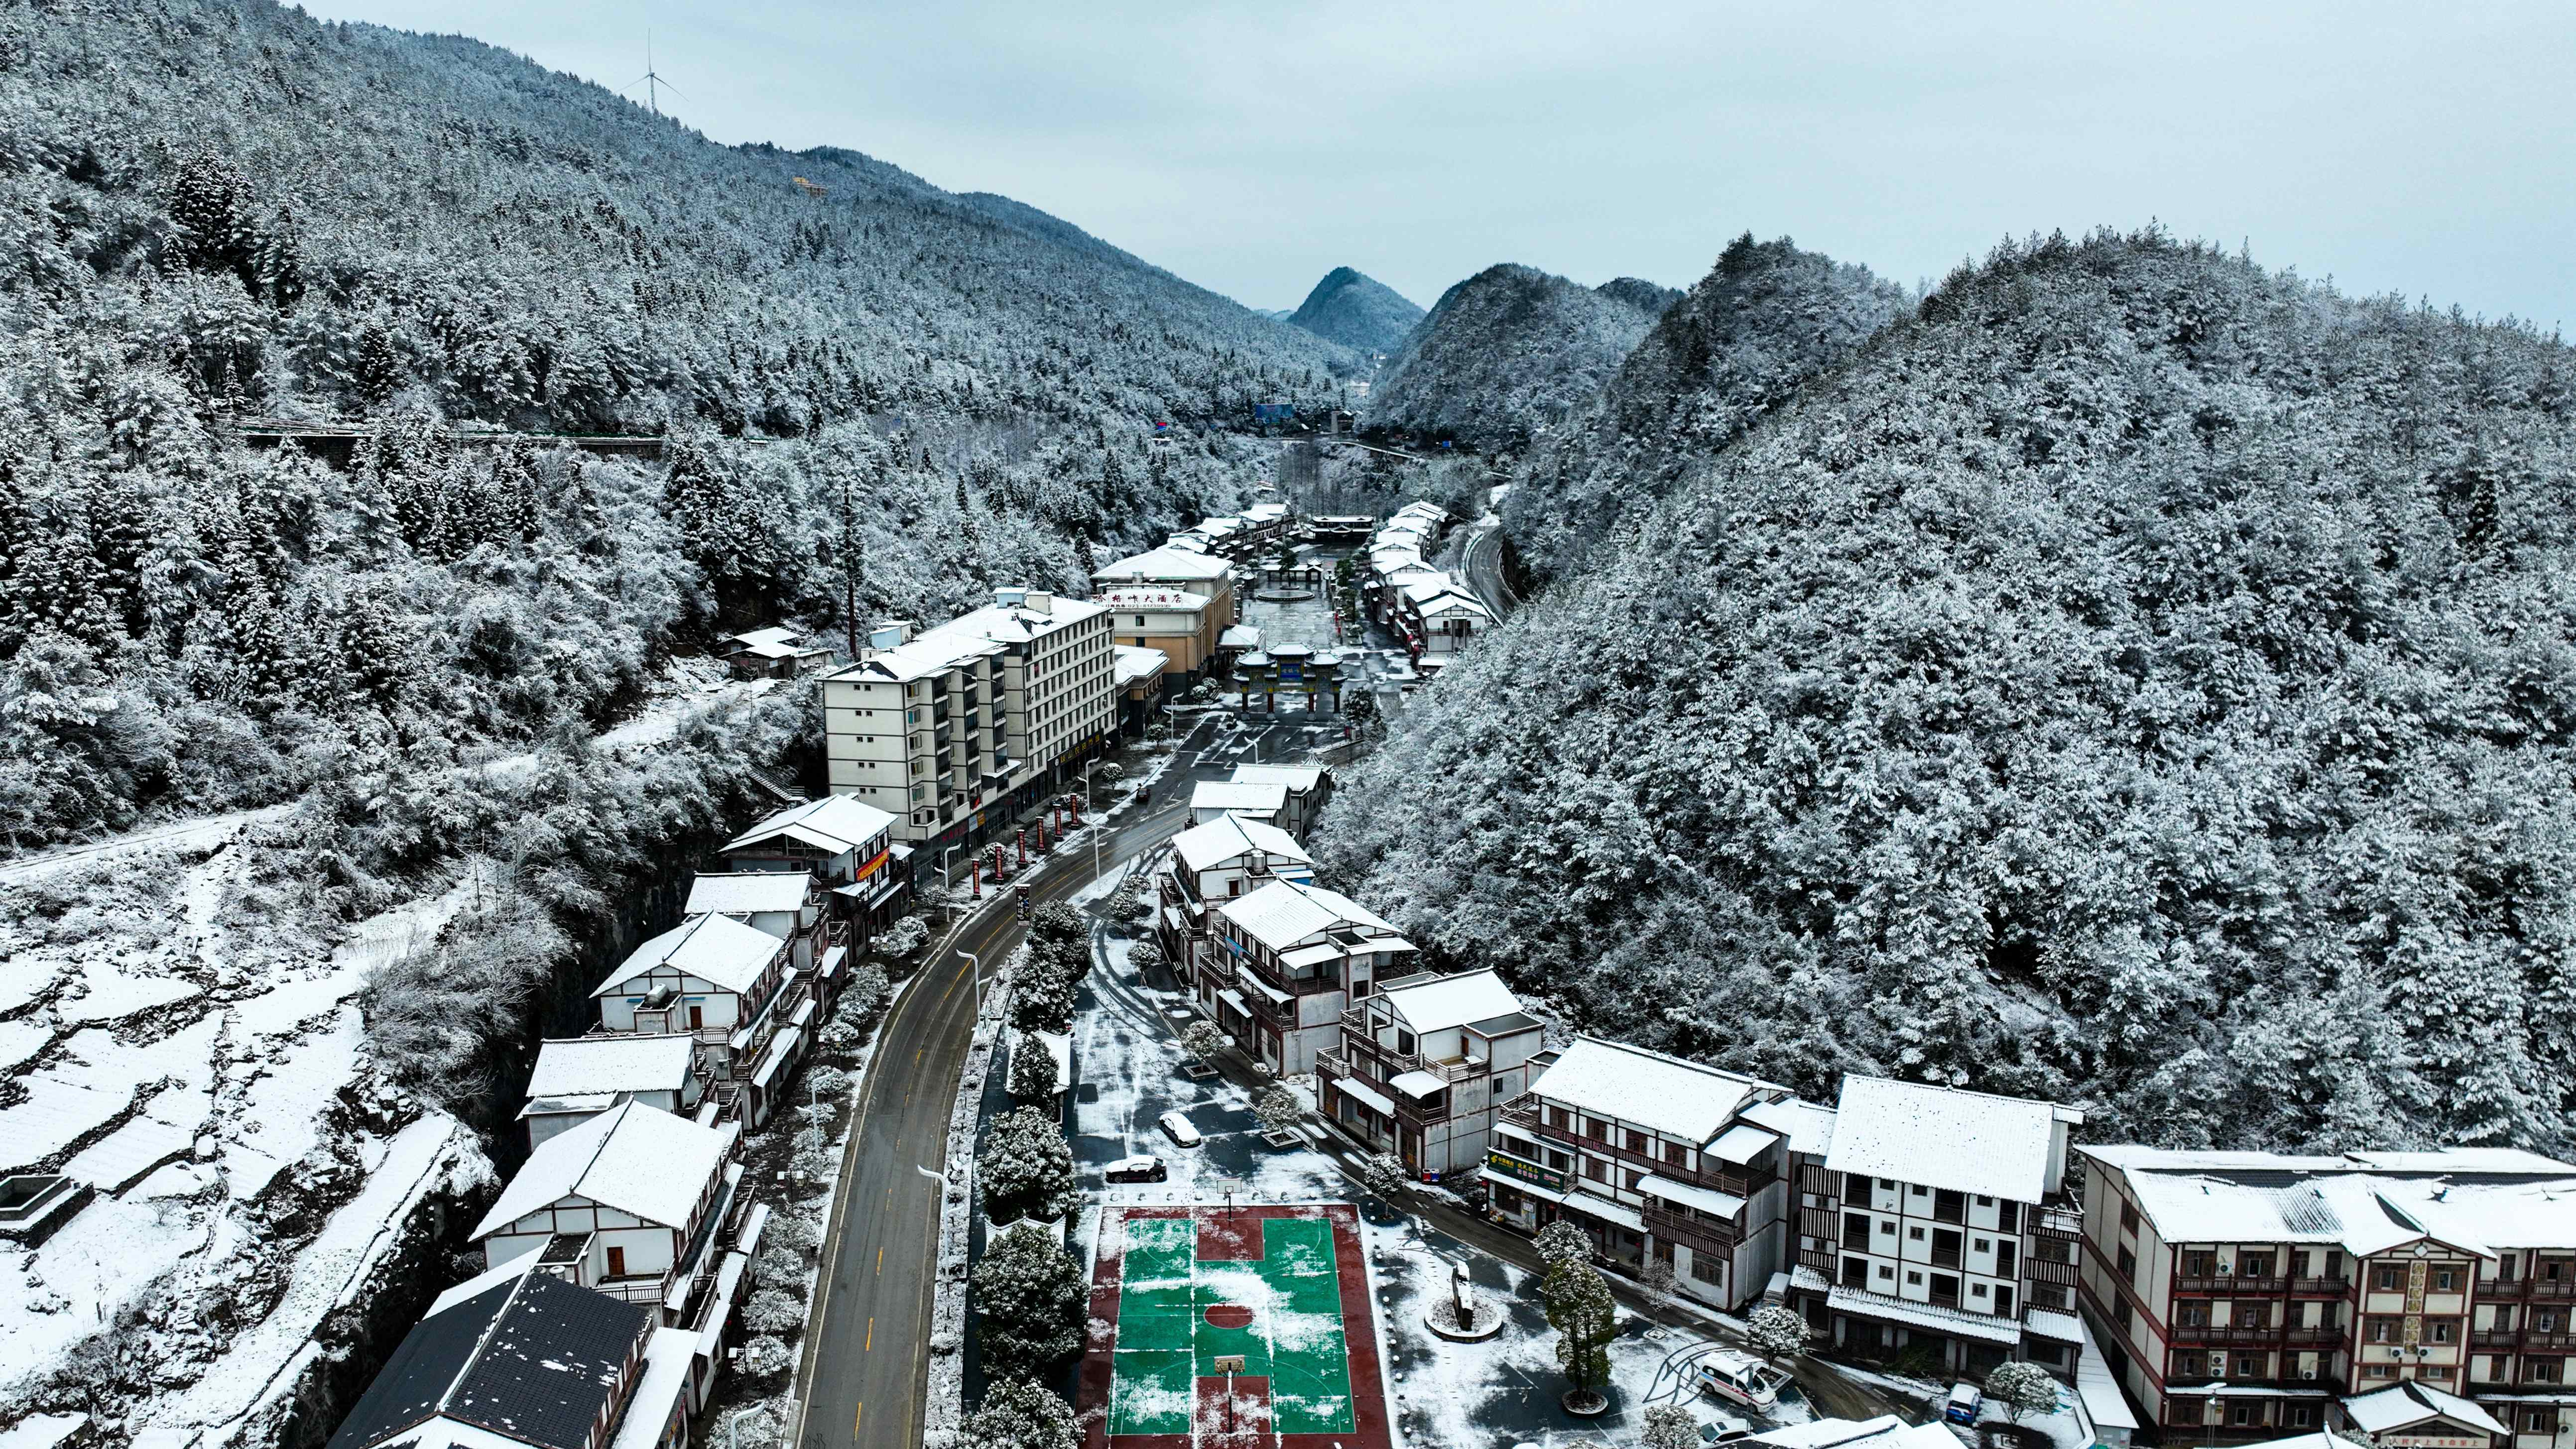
x: 1359, y: 1327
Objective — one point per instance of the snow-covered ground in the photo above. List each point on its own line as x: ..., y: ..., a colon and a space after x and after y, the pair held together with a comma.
x: 205, y: 1072
x: 189, y: 1045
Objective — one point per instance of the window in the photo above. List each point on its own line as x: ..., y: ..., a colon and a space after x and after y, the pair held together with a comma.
x: 2254, y: 1265
x: 2008, y: 1216
x: 1593, y: 1127
x: 2385, y: 1280
x: 2441, y: 1328
x: 2334, y: 1265
x: 1888, y: 1184
x: 2120, y: 1310
x: 1855, y: 1187
x: 2379, y: 1370
x: 1915, y: 1233
x: 2128, y: 1266
x: 1921, y: 1191
x: 1637, y: 1142
x: 1885, y: 1271
x: 1984, y: 1201
x: 1985, y: 1245
x: 2540, y: 1421
x: 2249, y: 1365
x: 2542, y: 1370
x: 2128, y: 1218
x: 2302, y: 1415
x: 1914, y: 1278
x: 2383, y: 1330
x: 1561, y: 1161
x: 2240, y: 1414
x: 1856, y: 1228
x: 1977, y: 1290
x: 1596, y: 1169
x: 2190, y: 1363
x: 2444, y: 1279
x: 1634, y: 1177
x: 1888, y: 1228
x: 1950, y: 1207
x: 2195, y: 1264
x: 1945, y: 1289
x: 1679, y: 1156
x: 2192, y: 1315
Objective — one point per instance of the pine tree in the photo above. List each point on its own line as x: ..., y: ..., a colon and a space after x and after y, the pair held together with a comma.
x: 1019, y: 1415
x: 1033, y: 1070
x: 1586, y: 1318
x: 210, y: 203
x: 378, y: 372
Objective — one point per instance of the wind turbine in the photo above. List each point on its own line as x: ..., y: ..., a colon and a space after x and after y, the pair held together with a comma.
x: 651, y: 80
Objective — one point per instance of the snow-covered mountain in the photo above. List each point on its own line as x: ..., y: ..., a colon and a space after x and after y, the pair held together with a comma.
x: 1357, y: 311
x: 1504, y: 353
x: 2139, y: 679
x: 1765, y: 319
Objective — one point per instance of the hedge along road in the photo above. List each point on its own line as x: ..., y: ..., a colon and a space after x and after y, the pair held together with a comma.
x: 867, y: 1338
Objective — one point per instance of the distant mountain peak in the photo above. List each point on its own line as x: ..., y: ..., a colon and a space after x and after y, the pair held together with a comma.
x: 1356, y: 310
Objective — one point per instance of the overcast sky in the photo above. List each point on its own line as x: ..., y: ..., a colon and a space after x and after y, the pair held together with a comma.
x: 2418, y: 148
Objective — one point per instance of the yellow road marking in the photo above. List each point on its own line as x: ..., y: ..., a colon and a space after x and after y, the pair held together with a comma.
x: 880, y: 1259
x: 871, y: 1345
x: 854, y: 1420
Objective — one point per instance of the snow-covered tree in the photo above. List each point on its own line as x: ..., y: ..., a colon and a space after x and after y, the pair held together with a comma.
x: 1277, y: 1109
x: 1144, y: 955
x: 1203, y: 1041
x: 1025, y: 1168
x: 2021, y: 1387
x: 1670, y: 1426
x: 1019, y: 1415
x: 1776, y: 1332
x: 1561, y: 1242
x: 1032, y: 1070
x: 1585, y: 1317
x: 1042, y: 997
x: 1029, y: 1295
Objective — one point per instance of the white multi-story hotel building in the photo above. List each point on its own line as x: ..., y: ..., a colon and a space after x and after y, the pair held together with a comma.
x: 956, y: 730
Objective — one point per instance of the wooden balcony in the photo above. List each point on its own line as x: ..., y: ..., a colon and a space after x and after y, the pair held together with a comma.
x: 2222, y: 1334
x: 2244, y: 1287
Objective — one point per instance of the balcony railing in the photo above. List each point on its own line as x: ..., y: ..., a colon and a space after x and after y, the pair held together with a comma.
x: 2316, y: 1337
x: 1671, y: 1226
x: 2223, y: 1333
x: 2495, y: 1338
x: 2229, y: 1285
x: 2338, y: 1285
x: 2065, y: 1220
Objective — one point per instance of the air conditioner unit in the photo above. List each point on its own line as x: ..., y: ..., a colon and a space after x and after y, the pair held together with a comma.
x: 2307, y: 1373
x: 2226, y: 1269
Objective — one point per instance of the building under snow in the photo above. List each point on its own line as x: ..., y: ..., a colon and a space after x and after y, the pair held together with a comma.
x: 1423, y: 1066
x: 2406, y: 1298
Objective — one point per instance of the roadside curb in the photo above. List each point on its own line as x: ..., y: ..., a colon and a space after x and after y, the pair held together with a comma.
x: 944, y: 1403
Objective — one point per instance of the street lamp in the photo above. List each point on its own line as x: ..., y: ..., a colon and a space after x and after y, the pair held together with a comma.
x: 975, y: 979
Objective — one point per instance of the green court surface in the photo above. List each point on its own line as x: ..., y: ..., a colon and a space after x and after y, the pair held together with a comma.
x: 1165, y: 1342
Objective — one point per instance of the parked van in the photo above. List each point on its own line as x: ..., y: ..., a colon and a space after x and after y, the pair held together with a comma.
x: 1740, y: 1380
x: 1964, y: 1402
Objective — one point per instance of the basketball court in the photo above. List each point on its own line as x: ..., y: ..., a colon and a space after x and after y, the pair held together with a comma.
x: 1216, y: 1326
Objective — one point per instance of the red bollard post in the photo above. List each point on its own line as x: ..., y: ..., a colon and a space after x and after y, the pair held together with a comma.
x: 975, y: 876
x: 1024, y: 846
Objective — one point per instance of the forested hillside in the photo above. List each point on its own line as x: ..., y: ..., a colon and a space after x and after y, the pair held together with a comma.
x: 1357, y: 311
x: 1766, y: 318
x: 228, y: 209
x: 2140, y: 679
x: 1651, y: 298
x: 1504, y: 353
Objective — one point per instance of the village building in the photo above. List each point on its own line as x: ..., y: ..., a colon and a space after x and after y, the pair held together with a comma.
x: 632, y: 1202
x: 1211, y: 800
x: 1211, y: 864
x: 1284, y: 962
x: 960, y: 730
x: 776, y: 903
x: 729, y: 984
x: 1308, y: 787
x: 1438, y: 615
x: 846, y: 844
x: 1424, y: 1064
x: 1182, y: 626
x: 776, y: 653
x: 529, y: 1362
x: 1654, y: 1158
x: 1188, y: 570
x: 1137, y: 674
x: 578, y: 1078
x: 1937, y: 1228
x: 2403, y: 1298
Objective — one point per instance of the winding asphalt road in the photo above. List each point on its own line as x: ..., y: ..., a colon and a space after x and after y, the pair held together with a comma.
x: 867, y: 1345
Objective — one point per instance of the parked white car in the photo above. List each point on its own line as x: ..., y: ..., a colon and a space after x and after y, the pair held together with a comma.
x: 1176, y: 1125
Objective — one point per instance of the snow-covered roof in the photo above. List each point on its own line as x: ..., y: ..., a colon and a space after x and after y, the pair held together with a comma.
x: 756, y: 638
x: 749, y: 892
x: 1130, y: 665
x: 715, y: 949
x: 2478, y: 1199
x: 1666, y: 1094
x: 1422, y: 508
x: 1436, y: 1003
x: 1239, y: 636
x: 1283, y: 913
x: 636, y: 1159
x: 2412, y: 1402
x: 1202, y: 847
x: 1164, y: 565
x: 1956, y: 1321
x: 533, y: 1361
x: 1884, y: 1432
x: 1809, y: 1126
x: 612, y: 1063
x: 835, y: 822
x: 669, y: 1359
x: 1723, y: 1205
x: 1259, y: 798
x: 1945, y: 1138
x: 1295, y: 777
x: 1742, y: 1142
